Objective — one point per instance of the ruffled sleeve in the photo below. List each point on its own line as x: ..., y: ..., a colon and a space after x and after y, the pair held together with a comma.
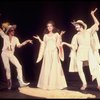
x: 41, y: 50
x: 2, y: 34
x: 60, y: 47
x: 72, y: 64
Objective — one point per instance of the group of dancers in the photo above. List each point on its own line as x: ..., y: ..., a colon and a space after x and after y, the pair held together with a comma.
x: 84, y: 51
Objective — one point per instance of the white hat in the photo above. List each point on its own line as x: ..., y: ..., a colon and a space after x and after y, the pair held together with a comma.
x: 9, y: 27
x: 79, y: 22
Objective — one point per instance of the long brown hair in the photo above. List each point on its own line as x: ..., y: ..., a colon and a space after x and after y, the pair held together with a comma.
x: 54, y: 29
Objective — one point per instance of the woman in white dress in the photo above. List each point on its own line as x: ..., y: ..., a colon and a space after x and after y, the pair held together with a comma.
x: 51, y: 75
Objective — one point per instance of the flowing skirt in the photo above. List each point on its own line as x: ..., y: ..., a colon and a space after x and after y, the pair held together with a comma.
x: 51, y: 74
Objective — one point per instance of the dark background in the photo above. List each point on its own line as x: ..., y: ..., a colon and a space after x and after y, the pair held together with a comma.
x: 31, y: 17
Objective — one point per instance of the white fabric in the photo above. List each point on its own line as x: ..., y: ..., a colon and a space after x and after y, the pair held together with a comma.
x: 51, y: 74
x: 86, y: 49
x: 41, y: 52
x: 8, y: 55
x: 72, y: 55
x: 60, y: 48
x: 7, y: 45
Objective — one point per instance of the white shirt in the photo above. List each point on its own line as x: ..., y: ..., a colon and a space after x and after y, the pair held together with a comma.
x: 7, y: 45
x: 83, y: 42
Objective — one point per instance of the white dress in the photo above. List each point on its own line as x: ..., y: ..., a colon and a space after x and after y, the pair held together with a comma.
x: 51, y: 74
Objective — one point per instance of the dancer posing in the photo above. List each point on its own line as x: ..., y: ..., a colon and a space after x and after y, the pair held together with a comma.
x: 84, y: 48
x: 9, y: 43
x: 51, y: 74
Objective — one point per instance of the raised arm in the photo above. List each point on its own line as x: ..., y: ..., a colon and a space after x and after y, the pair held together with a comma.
x: 2, y: 34
x: 95, y: 26
x: 65, y: 43
x: 94, y: 17
x: 38, y: 38
x: 62, y: 32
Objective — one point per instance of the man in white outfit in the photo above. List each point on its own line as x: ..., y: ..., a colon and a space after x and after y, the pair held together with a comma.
x: 85, y: 46
x: 9, y: 43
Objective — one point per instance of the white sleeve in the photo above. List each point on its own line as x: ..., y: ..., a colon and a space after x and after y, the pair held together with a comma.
x: 17, y: 42
x: 60, y: 47
x: 41, y: 50
x: 2, y: 34
x: 94, y: 28
x: 74, y: 42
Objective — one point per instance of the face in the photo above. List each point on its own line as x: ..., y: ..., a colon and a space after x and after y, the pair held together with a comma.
x: 12, y: 31
x: 77, y: 27
x: 50, y: 27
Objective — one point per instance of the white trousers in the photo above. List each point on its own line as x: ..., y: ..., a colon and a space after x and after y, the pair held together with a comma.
x: 9, y: 57
x: 82, y: 75
x: 81, y: 72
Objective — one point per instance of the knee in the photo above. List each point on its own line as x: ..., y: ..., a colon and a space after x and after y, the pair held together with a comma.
x: 7, y: 70
x: 19, y: 67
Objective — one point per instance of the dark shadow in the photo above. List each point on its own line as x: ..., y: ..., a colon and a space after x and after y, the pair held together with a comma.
x: 14, y: 93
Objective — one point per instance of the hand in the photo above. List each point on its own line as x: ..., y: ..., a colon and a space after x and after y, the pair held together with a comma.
x: 36, y: 37
x: 93, y: 11
x: 29, y: 41
x: 62, y: 32
x: 62, y: 44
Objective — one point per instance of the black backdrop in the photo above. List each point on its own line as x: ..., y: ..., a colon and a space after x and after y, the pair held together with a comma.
x: 31, y: 16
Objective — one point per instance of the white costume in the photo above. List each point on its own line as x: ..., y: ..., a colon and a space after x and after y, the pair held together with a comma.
x: 85, y: 48
x: 51, y: 75
x: 8, y: 55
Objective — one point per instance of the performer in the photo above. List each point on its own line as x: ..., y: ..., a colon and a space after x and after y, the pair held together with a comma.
x: 9, y: 43
x: 51, y: 75
x: 84, y: 47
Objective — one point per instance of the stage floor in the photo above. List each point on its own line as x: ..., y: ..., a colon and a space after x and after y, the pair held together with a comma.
x: 59, y: 94
x: 32, y: 92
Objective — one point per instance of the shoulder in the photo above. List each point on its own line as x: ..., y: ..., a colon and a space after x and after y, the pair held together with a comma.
x: 16, y: 38
x: 76, y: 35
x: 56, y: 33
x: 89, y: 29
x: 45, y: 35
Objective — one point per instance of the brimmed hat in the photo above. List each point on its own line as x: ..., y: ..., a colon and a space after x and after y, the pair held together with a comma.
x: 9, y: 27
x: 79, y: 22
x: 5, y: 24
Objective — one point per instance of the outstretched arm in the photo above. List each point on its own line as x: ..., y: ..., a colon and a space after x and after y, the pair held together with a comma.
x: 24, y: 43
x: 67, y: 44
